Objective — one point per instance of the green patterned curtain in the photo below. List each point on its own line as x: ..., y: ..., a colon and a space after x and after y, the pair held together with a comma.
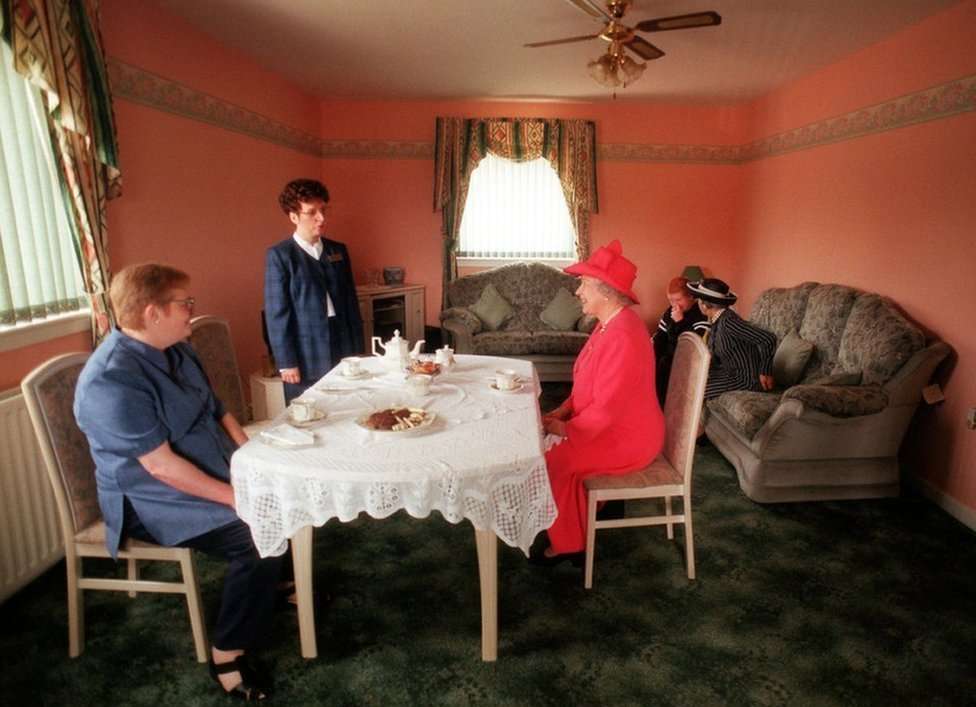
x: 57, y: 46
x: 461, y: 143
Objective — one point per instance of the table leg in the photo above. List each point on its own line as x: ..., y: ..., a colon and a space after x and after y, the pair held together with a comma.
x: 301, y: 555
x: 487, y: 544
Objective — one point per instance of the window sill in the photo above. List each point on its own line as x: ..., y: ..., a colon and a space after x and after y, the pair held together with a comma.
x: 496, y: 262
x: 17, y: 336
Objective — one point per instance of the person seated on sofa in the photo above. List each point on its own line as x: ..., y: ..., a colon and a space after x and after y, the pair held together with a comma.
x: 162, y: 443
x: 681, y: 315
x: 742, y: 353
x: 611, y: 422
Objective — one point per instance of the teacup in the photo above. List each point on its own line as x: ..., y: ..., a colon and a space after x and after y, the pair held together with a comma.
x: 506, y: 379
x: 351, y: 366
x: 419, y: 383
x: 302, y: 410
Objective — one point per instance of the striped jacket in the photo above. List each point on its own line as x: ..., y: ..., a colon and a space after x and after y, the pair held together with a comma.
x: 741, y: 352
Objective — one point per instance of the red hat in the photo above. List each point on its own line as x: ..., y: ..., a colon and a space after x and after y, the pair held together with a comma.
x: 609, y: 265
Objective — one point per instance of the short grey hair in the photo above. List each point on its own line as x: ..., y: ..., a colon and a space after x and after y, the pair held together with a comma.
x: 613, y: 293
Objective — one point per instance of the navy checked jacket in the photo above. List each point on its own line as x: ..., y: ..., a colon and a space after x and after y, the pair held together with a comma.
x: 294, y: 306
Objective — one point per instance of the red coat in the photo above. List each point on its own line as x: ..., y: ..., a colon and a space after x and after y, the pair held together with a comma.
x: 615, y: 427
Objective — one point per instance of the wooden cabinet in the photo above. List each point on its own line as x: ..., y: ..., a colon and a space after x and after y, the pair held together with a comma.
x: 385, y: 309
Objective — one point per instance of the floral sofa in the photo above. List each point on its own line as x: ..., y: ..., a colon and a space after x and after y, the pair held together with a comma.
x: 529, y: 288
x: 836, y: 433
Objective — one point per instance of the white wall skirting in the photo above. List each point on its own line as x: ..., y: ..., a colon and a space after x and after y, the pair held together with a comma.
x: 964, y: 514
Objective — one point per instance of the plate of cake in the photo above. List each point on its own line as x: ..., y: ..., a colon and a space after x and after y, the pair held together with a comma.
x: 396, y: 419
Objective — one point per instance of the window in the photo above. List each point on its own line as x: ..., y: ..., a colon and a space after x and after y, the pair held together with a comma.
x: 516, y: 210
x: 40, y: 273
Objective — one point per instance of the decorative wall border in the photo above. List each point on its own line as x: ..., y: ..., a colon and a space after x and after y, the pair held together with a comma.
x: 934, y: 103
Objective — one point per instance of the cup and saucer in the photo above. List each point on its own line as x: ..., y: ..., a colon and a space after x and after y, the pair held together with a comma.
x: 303, y: 413
x: 506, y: 381
x: 351, y: 368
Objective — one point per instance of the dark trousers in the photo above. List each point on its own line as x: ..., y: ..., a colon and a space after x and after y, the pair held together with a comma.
x: 293, y: 390
x: 248, y: 598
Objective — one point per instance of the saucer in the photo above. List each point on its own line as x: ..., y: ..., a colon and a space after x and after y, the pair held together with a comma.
x: 518, y: 386
x: 317, y: 416
x: 356, y: 376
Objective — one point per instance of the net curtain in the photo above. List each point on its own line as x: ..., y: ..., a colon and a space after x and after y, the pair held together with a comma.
x: 57, y: 46
x: 461, y: 143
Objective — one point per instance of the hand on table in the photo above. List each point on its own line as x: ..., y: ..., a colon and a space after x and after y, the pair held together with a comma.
x: 291, y: 375
x: 554, y: 426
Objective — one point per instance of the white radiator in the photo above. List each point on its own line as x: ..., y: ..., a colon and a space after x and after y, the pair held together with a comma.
x: 30, y: 536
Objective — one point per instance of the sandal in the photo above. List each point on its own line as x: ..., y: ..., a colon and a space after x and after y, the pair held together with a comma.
x: 248, y: 689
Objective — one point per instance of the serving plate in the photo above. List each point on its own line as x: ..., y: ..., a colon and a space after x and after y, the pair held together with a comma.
x: 426, y: 421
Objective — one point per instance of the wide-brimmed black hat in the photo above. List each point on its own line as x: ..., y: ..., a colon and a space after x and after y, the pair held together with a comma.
x: 713, y: 290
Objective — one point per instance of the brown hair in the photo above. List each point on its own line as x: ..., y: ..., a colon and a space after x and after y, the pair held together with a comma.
x: 299, y: 190
x: 135, y: 287
x: 677, y: 284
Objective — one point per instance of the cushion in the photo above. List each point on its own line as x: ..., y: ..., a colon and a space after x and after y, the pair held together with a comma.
x: 839, y: 378
x: 563, y: 311
x: 790, y: 359
x: 840, y: 401
x: 747, y: 410
x: 491, y: 308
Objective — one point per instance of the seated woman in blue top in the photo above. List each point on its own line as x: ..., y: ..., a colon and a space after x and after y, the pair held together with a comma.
x: 162, y: 444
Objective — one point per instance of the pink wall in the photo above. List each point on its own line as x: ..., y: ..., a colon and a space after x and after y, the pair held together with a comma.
x: 201, y: 197
x: 666, y: 215
x: 891, y: 212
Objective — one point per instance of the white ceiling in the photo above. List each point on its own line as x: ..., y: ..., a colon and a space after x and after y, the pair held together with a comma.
x: 456, y: 49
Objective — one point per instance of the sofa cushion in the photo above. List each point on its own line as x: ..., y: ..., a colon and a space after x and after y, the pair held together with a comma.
x: 504, y: 343
x: 839, y: 378
x: 555, y: 343
x: 780, y: 309
x: 563, y: 311
x: 877, y: 340
x: 823, y: 324
x: 840, y: 401
x: 492, y: 309
x: 746, y: 410
x: 464, y: 315
x: 790, y: 359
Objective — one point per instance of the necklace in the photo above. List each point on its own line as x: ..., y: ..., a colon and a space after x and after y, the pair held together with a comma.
x: 603, y: 324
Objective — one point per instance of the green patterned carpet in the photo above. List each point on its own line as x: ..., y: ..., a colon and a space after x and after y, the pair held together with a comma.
x: 851, y: 603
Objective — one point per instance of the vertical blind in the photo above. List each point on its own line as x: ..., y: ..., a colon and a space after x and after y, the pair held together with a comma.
x: 516, y: 210
x: 39, y: 267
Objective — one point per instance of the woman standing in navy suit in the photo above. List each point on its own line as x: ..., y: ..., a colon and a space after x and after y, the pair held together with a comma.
x: 310, y: 303
x: 162, y: 443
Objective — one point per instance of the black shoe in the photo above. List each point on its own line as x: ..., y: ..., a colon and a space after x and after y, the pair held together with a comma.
x: 540, y: 559
x: 252, y: 687
x: 612, y: 510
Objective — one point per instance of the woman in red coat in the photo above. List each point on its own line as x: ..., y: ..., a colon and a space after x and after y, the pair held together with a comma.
x: 611, y: 423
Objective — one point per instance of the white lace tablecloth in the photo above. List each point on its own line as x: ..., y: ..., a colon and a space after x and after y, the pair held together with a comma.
x: 481, y: 460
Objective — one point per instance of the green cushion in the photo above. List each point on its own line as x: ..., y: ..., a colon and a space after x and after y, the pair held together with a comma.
x: 790, y: 359
x: 563, y: 311
x: 492, y: 309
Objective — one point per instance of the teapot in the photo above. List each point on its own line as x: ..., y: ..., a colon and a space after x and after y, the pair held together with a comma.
x: 396, y: 352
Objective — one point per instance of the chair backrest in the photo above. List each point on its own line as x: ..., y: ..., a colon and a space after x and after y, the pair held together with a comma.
x: 49, y: 391
x: 683, y: 405
x: 210, y: 338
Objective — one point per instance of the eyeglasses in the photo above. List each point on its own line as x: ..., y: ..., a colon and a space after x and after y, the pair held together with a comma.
x: 187, y: 302
x: 323, y: 212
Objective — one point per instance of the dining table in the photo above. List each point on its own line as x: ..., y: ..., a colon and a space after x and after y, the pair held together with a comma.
x: 477, y: 455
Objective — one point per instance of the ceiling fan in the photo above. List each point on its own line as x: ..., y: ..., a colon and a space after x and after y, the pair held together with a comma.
x: 615, y: 68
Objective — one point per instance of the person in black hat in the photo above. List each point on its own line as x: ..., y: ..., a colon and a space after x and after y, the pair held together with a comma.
x: 742, y: 353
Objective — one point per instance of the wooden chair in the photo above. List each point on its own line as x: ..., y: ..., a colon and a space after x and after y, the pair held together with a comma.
x: 670, y: 474
x: 49, y: 392
x: 211, y: 339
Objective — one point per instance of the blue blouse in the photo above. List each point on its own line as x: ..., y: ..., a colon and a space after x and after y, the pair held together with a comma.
x: 132, y: 397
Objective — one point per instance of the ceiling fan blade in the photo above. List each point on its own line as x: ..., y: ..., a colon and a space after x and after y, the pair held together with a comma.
x: 590, y: 8
x: 695, y: 19
x: 567, y: 40
x: 644, y: 49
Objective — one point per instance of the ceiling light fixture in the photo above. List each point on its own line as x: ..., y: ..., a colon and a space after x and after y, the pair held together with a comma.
x: 615, y: 69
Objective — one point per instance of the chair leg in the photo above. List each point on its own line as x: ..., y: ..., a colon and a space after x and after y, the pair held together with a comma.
x: 590, y: 540
x: 133, y: 574
x: 76, y: 608
x: 689, y: 541
x: 194, y: 607
x: 667, y: 512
